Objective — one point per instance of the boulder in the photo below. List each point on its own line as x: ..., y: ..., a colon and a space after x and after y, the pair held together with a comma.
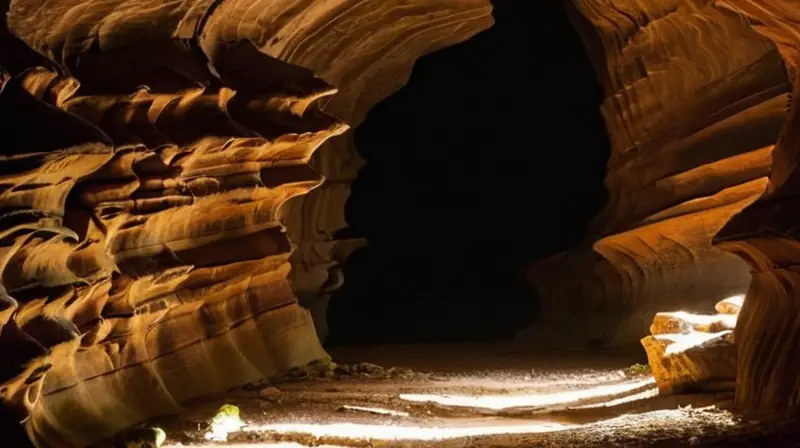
x: 691, y: 362
x: 731, y: 305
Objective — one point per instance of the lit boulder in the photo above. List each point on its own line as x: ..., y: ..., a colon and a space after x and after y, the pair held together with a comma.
x: 691, y: 362
x: 684, y: 323
x: 731, y: 305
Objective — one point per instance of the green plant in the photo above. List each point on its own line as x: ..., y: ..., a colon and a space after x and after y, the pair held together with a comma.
x: 638, y: 369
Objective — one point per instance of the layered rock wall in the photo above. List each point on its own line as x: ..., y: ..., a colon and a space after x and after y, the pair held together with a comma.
x: 146, y: 253
x: 701, y: 107
x: 157, y: 176
x: 146, y: 265
x: 766, y: 235
x: 695, y: 101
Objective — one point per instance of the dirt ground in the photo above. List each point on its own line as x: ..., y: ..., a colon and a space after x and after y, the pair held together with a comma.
x: 491, y: 395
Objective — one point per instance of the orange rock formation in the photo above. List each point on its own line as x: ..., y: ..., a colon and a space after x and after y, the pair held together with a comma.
x: 701, y: 106
x: 161, y: 207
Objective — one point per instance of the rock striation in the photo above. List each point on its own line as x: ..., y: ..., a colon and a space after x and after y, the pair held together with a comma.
x: 766, y: 235
x: 702, y: 110
x: 695, y: 100
x: 162, y: 208
x: 147, y: 265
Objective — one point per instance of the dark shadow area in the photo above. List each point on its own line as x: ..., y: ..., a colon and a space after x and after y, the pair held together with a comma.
x: 492, y: 156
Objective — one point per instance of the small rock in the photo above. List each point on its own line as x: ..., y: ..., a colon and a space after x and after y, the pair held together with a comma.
x: 269, y: 393
x: 405, y: 373
x: 369, y: 369
x: 342, y: 369
x: 321, y: 369
x: 731, y: 305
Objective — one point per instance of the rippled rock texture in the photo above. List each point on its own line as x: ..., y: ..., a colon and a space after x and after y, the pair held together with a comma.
x: 766, y: 235
x: 702, y: 109
x: 696, y: 98
x: 161, y: 209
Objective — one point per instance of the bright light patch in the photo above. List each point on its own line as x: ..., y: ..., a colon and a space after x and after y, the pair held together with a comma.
x: 703, y: 320
x: 682, y: 342
x: 498, y: 402
x: 224, y: 423
x: 388, y: 432
x: 379, y: 411
x: 538, y: 381
x: 649, y: 393
x: 737, y: 300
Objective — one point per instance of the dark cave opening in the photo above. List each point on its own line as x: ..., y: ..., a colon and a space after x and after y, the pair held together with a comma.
x: 492, y: 156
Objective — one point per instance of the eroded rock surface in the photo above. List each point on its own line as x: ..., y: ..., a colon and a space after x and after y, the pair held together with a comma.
x: 702, y: 109
x: 156, y: 179
x: 683, y: 363
x: 693, y: 352
x: 149, y: 266
x: 766, y: 235
x: 695, y: 100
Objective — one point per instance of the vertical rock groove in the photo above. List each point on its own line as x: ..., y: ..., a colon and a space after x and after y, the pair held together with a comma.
x: 766, y: 235
x: 701, y: 106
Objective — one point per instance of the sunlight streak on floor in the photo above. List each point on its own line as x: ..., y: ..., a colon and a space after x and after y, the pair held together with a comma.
x: 392, y: 432
x: 506, y: 401
x: 649, y: 393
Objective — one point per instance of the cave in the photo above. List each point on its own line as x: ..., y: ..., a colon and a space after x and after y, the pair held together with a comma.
x: 402, y: 223
x: 436, y: 162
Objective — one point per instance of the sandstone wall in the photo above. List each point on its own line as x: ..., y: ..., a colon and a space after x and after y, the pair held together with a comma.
x: 701, y: 106
x: 766, y: 235
x: 695, y: 101
x: 157, y: 177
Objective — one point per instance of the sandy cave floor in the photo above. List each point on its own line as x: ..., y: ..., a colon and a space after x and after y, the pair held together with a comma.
x: 491, y: 395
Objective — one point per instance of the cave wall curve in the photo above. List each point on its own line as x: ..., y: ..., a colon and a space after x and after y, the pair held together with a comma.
x: 166, y: 222
x: 373, y: 62
x: 765, y: 234
x: 702, y: 109
x: 695, y: 101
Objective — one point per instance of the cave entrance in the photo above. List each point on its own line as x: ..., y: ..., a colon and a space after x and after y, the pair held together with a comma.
x: 490, y: 157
